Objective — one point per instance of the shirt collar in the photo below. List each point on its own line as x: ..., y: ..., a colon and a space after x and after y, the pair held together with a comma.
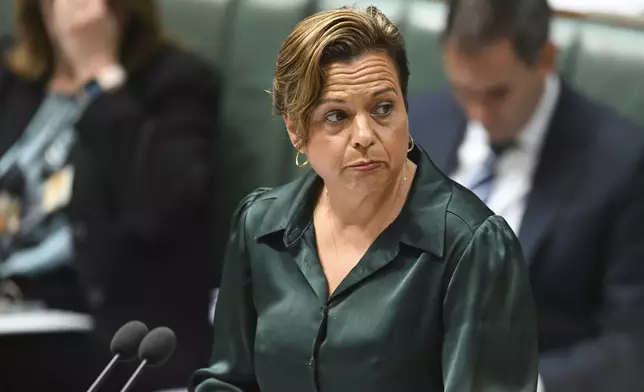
x: 421, y: 223
x: 533, y: 133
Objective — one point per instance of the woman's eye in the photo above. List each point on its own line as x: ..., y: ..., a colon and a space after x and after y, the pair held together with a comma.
x: 335, y: 117
x: 383, y: 109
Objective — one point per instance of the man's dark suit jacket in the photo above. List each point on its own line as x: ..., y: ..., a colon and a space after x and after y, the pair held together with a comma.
x: 582, y: 235
x: 141, y: 207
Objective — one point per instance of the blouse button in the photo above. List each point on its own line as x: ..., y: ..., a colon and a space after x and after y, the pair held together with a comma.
x: 311, y: 362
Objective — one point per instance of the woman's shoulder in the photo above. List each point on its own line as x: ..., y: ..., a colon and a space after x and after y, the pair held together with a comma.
x: 255, y: 204
x: 468, y: 219
x: 267, y: 210
x: 440, y: 204
x: 479, y: 244
x: 262, y: 200
x: 465, y: 210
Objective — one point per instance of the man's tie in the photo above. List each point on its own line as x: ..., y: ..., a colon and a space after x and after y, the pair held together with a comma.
x: 483, y: 182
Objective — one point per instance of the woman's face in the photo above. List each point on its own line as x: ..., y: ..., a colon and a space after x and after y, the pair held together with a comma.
x: 117, y: 7
x: 359, y: 130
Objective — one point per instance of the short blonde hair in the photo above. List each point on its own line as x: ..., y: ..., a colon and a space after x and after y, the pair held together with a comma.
x: 31, y: 55
x: 323, y: 38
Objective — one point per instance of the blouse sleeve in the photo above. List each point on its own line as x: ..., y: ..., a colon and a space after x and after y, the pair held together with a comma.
x: 231, y: 367
x: 490, y: 341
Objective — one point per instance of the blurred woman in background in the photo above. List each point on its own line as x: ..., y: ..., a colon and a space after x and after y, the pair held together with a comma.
x: 105, y: 174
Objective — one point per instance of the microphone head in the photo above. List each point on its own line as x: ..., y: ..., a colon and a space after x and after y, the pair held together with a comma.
x: 127, y: 339
x: 158, y: 346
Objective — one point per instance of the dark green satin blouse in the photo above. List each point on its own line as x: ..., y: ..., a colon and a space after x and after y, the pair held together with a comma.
x: 440, y: 302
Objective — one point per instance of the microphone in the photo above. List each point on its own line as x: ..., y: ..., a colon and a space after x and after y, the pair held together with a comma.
x: 155, y: 349
x: 124, y: 346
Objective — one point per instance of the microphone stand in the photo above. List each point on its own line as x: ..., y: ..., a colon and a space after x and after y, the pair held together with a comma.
x: 130, y: 382
x: 97, y: 383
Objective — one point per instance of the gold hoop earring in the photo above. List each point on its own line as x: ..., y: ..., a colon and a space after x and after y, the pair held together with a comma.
x: 297, y: 161
x: 411, y: 144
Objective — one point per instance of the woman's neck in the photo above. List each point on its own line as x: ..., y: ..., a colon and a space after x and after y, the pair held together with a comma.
x: 63, y: 79
x: 366, y: 211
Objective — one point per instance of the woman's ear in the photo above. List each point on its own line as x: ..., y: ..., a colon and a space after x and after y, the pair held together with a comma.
x: 292, y: 135
x: 548, y: 58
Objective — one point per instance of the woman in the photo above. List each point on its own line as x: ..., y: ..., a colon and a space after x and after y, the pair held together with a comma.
x: 106, y: 129
x: 372, y: 272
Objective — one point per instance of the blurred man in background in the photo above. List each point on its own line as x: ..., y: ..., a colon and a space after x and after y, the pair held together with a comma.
x: 566, y: 173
